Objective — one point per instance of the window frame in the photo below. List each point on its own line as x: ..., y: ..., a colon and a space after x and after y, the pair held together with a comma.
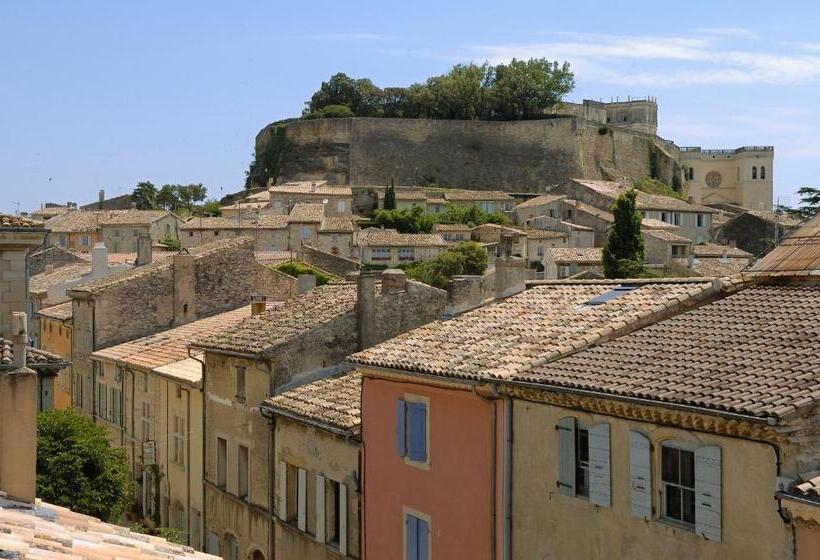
x: 240, y: 373
x: 419, y: 516
x: 690, y: 448
x: 246, y: 495
x: 221, y: 459
x: 408, y: 399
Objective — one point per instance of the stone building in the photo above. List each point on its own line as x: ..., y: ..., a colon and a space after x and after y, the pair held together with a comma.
x: 742, y: 176
x: 81, y: 230
x: 662, y: 246
x: 316, y: 465
x: 543, y: 205
x: 55, y: 337
x: 337, y: 200
x: 148, y: 396
x: 18, y: 235
x: 388, y: 247
x: 486, y: 201
x: 756, y: 231
x: 51, y: 257
x: 694, y: 220
x: 453, y: 234
x: 195, y: 284
x: 269, y: 231
x: 564, y: 263
x: 300, y: 340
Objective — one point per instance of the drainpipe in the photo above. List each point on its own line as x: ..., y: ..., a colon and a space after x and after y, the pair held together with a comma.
x: 493, y: 471
x: 204, y: 512
x: 188, y: 456
x: 508, y: 439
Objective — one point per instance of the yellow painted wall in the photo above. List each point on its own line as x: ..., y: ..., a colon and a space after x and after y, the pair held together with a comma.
x: 548, y: 525
x: 55, y: 337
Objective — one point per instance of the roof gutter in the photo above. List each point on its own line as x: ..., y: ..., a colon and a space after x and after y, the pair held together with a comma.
x: 220, y: 351
x: 269, y: 411
x: 768, y: 420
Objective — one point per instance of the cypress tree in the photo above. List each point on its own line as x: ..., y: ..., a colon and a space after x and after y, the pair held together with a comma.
x: 390, y: 196
x: 623, y: 254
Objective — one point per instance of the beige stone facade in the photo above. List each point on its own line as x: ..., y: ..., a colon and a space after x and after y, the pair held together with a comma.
x: 742, y: 176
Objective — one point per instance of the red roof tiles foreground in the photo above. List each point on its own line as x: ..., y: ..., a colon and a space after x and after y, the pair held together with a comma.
x: 756, y: 352
x: 799, y: 253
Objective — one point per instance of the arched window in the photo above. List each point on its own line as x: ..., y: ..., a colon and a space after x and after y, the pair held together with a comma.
x: 691, y: 173
x: 231, y: 548
x: 257, y: 555
x: 754, y: 172
x: 762, y: 172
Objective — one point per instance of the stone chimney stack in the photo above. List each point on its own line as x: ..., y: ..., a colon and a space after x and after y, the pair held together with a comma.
x: 99, y: 260
x: 101, y: 201
x: 184, y: 289
x: 366, y: 308
x: 18, y: 420
x: 394, y: 281
x: 144, y: 249
x: 259, y: 304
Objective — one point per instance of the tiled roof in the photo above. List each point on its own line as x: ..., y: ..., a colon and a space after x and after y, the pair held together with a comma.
x: 39, y: 284
x: 335, y: 402
x: 754, y: 352
x: 644, y: 201
x: 716, y: 267
x: 169, y: 347
x: 49, y: 531
x: 304, y: 212
x: 50, y: 211
x: 410, y: 194
x: 61, y: 311
x: 91, y: 220
x: 262, y: 222
x: 8, y: 221
x: 469, y: 195
x: 654, y: 223
x: 781, y: 218
x: 577, y: 255
x: 540, y: 200
x: 451, y: 227
x: 292, y: 318
x: 272, y: 258
x: 262, y: 196
x: 591, y: 210
x: 799, y: 253
x: 338, y: 224
x: 35, y: 357
x: 538, y: 233
x: 307, y: 188
x: 133, y: 217
x: 241, y: 205
x: 715, y: 250
x: 504, y: 339
x: 391, y: 238
x: 668, y: 236
x: 810, y: 489
x: 197, y: 252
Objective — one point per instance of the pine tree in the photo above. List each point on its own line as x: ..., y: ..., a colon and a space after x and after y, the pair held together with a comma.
x: 390, y: 197
x: 623, y: 254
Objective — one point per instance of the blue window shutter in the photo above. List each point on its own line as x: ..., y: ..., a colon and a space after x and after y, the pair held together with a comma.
x: 418, y: 431
x: 412, y: 537
x: 423, y: 539
x: 401, y: 428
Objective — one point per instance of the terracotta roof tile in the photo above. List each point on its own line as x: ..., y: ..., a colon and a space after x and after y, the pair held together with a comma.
x: 34, y: 356
x: 578, y: 255
x: 539, y: 201
x: 338, y: 224
x: 8, y: 221
x: 374, y: 237
x: 308, y: 188
x: 39, y: 284
x: 304, y: 212
x: 262, y: 222
x: 799, y: 253
x: 540, y: 324
x: 61, y: 311
x: 715, y: 250
x: 644, y: 201
x: 335, y: 402
x: 667, y: 235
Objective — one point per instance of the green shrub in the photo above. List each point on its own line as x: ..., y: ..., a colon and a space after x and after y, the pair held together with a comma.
x: 294, y: 269
x: 467, y: 257
x: 171, y: 242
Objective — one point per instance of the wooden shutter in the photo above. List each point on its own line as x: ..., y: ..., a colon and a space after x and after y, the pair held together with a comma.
x: 320, y: 508
x: 343, y: 519
x: 566, y: 456
x: 417, y: 416
x: 411, y: 537
x: 707, y: 492
x: 213, y: 544
x: 423, y: 534
x: 640, y: 470
x: 301, y: 494
x: 401, y: 428
x: 600, y: 485
x: 283, y: 491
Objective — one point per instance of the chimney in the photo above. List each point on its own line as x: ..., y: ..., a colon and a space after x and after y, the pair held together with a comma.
x: 99, y: 260
x: 144, y: 249
x: 394, y: 281
x: 259, y: 304
x: 101, y: 202
x: 184, y: 290
x: 690, y: 262
x: 366, y: 308
x: 305, y: 283
x: 724, y: 255
x: 49, y: 268
x: 18, y: 421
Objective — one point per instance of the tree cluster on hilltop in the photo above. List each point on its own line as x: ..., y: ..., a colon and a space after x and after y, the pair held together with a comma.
x: 519, y: 90
x: 146, y: 196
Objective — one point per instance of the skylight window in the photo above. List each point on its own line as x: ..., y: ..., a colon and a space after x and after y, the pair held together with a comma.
x: 614, y: 293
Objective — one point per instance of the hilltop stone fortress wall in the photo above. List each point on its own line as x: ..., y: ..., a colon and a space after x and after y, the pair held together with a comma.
x: 516, y: 156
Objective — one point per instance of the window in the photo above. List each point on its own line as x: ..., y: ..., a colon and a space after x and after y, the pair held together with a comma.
x: 242, y: 474
x: 116, y: 406
x: 84, y: 240
x: 341, y: 206
x: 540, y: 251
x: 583, y: 461
x: 167, y: 229
x: 190, y: 234
x: 231, y: 547
x: 762, y: 172
x: 691, y: 176
x: 146, y: 421
x: 671, y: 218
x: 416, y: 538
x: 180, y: 521
x: 212, y: 546
x: 406, y: 253
x: 304, y: 232
x: 293, y: 495
x: 216, y: 232
x: 221, y: 462
x: 331, y: 513
x: 678, y: 477
x: 62, y: 240
x: 411, y: 429
x: 754, y: 172
x: 700, y: 220
x: 487, y: 206
x: 178, y: 441
x: 240, y: 383
x: 380, y: 254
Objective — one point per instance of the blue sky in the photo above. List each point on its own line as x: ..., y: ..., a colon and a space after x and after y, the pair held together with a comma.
x: 105, y: 94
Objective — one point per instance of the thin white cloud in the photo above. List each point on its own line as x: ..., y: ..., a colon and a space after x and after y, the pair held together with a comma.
x: 657, y: 61
x: 728, y: 32
x: 346, y: 37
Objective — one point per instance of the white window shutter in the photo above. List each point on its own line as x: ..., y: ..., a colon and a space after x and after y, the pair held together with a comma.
x: 320, y: 508
x: 640, y: 470
x: 566, y: 456
x: 301, y: 493
x: 283, y: 491
x: 707, y: 492
x: 600, y: 486
x: 343, y: 519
